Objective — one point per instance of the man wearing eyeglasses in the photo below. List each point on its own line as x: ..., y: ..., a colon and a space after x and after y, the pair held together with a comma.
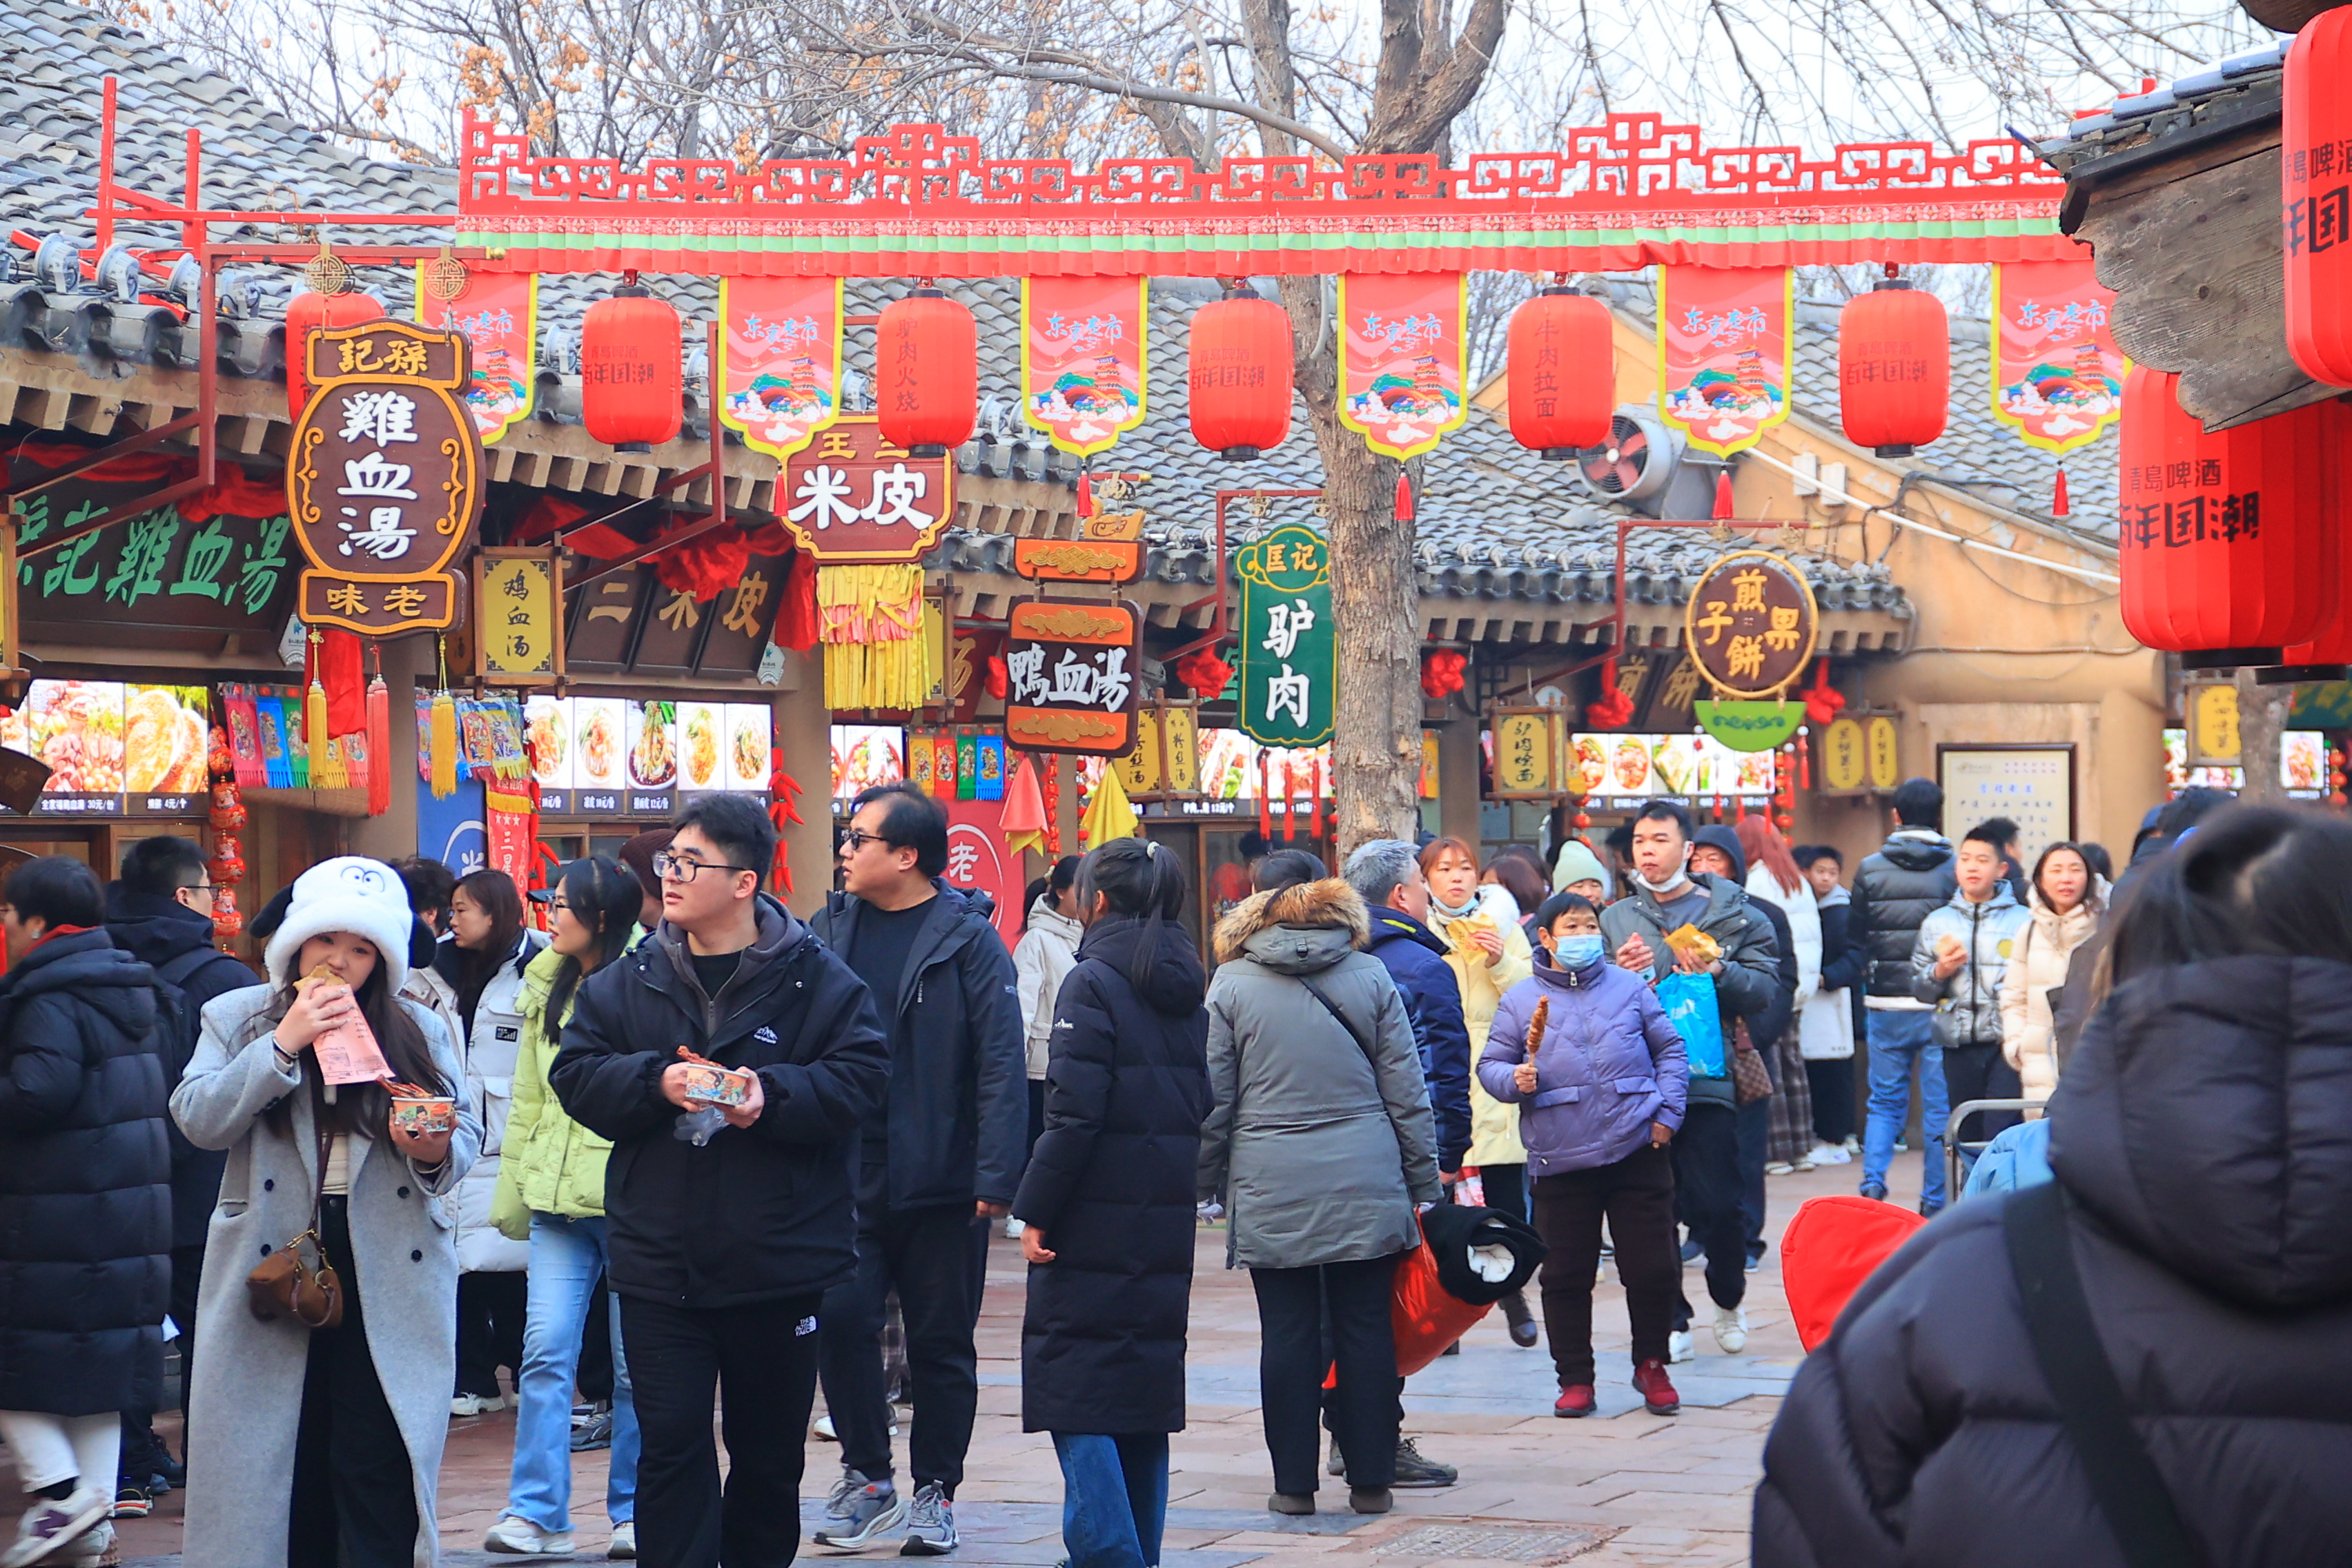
x: 941, y: 1156
x: 161, y: 912
x: 726, y: 1221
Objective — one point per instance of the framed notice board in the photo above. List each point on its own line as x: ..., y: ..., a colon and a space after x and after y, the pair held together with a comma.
x: 2033, y: 785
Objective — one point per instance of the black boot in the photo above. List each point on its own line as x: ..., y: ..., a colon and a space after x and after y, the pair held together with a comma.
x: 1523, y: 1333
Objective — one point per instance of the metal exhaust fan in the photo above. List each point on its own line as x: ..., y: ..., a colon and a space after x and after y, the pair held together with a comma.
x: 1637, y: 461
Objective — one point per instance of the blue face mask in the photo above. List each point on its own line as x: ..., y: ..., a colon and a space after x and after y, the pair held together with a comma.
x: 1576, y: 952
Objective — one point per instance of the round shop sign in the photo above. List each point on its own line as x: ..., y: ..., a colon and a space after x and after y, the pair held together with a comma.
x: 1750, y: 624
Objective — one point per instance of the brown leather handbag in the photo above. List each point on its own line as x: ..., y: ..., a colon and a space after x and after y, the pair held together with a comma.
x: 288, y: 1283
x: 1750, y: 1081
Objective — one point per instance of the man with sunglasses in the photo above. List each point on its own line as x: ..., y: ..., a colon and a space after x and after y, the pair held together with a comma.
x: 726, y: 1222
x: 942, y: 1158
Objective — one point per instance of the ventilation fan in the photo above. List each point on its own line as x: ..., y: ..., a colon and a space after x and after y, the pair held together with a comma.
x: 1634, y: 463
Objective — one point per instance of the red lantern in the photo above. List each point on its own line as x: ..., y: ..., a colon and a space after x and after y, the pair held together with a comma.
x: 926, y: 372
x: 2328, y: 656
x: 306, y: 310
x: 2315, y: 181
x: 1895, y: 368
x: 1559, y: 366
x: 2228, y: 552
x: 632, y: 382
x: 1237, y: 374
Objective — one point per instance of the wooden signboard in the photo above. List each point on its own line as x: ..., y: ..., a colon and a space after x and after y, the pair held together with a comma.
x: 1750, y: 624
x: 1108, y: 549
x: 850, y: 497
x: 1070, y: 671
x: 518, y: 616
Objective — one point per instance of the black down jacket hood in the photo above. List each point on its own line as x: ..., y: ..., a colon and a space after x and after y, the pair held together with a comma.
x: 2203, y: 1132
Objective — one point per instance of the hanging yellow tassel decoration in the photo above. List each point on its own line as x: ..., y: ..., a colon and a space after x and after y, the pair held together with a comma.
x: 441, y: 730
x: 873, y: 620
x: 326, y: 757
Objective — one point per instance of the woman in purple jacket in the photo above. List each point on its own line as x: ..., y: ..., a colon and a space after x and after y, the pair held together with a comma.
x: 1601, y: 1096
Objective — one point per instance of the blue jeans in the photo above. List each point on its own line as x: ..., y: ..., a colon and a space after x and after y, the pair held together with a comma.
x: 1114, y: 1498
x: 1899, y: 1041
x: 566, y: 1256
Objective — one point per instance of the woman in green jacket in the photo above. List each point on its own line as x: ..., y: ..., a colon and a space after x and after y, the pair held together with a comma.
x: 550, y: 1192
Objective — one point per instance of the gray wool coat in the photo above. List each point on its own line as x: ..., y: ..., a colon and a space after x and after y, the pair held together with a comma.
x: 1318, y: 1149
x: 248, y: 1374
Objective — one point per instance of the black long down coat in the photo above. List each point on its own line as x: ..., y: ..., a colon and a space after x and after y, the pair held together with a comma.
x: 2204, y: 1132
x: 1110, y: 1186
x: 85, y: 1181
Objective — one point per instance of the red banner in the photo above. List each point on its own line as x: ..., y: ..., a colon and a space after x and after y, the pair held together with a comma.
x: 779, y: 359
x: 978, y: 859
x: 1082, y: 347
x: 499, y: 314
x: 1725, y: 353
x: 1401, y: 358
x: 2057, y: 374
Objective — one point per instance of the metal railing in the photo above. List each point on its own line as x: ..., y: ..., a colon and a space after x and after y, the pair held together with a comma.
x: 1954, y: 1148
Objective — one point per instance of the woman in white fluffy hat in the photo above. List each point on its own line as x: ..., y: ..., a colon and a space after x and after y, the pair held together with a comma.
x: 322, y: 1446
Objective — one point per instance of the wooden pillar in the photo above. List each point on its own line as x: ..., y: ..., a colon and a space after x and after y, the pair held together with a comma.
x: 1457, y: 780
x: 803, y: 731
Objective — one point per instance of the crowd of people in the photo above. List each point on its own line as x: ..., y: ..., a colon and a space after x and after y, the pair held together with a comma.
x: 669, y: 1148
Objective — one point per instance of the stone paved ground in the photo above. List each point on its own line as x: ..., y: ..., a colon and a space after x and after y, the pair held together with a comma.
x: 1619, y: 1490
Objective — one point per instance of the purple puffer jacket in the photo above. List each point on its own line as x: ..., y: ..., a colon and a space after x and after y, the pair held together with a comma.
x: 1610, y: 1064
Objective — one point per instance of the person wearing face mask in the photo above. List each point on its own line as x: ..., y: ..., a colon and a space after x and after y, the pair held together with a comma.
x: 1598, y: 1100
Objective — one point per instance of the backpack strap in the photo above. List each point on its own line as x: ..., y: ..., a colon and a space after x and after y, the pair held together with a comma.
x: 2131, y: 1493
x: 1354, y: 1033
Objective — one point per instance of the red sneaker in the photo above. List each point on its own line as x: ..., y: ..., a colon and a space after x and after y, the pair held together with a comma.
x: 1657, y: 1389
x: 1574, y: 1400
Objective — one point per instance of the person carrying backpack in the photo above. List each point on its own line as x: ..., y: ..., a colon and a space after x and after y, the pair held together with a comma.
x: 161, y: 912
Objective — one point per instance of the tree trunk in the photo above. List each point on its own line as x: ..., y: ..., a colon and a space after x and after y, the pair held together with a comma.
x: 2262, y: 715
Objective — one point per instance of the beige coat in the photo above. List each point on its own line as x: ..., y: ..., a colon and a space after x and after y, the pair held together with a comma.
x: 2037, y: 962
x: 1493, y: 1126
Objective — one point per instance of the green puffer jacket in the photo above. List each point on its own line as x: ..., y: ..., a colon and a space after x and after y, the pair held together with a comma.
x: 551, y: 1164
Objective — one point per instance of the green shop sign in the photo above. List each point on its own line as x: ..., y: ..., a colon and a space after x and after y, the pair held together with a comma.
x: 1749, y: 726
x: 1289, y: 662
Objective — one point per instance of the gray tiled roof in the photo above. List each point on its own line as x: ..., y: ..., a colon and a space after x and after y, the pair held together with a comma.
x: 2243, y: 84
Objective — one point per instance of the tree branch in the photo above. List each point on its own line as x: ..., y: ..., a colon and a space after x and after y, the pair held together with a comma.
x: 1414, y: 121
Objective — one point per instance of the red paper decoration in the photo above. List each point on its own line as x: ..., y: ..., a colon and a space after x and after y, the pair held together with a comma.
x: 1441, y: 673
x: 926, y: 372
x: 1237, y: 374
x: 1615, y: 708
x: 1204, y: 674
x: 2229, y: 549
x: 1895, y: 368
x: 2315, y: 184
x: 1560, y: 367
x: 632, y: 380
x: 1822, y: 700
x: 306, y: 310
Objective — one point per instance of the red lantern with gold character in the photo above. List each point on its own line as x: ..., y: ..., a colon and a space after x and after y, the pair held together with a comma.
x: 926, y: 372
x: 1895, y: 368
x: 1560, y: 368
x: 306, y: 310
x: 632, y: 377
x: 1237, y: 374
x: 2315, y: 181
x: 2228, y: 551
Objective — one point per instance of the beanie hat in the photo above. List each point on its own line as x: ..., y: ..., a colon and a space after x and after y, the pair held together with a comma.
x: 350, y: 893
x: 1578, y: 863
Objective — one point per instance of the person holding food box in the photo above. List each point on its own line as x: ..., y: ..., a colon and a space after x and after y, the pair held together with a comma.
x: 1691, y: 937
x: 729, y: 1058
x: 339, y: 1103
x: 1958, y: 965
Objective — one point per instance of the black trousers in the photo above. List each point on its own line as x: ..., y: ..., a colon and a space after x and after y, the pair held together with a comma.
x: 927, y: 1255
x: 490, y: 1310
x: 760, y: 1362
x: 1981, y: 1072
x: 1637, y: 1196
x: 141, y: 1447
x: 354, y: 1498
x: 1293, y: 1307
x: 594, y: 1378
x: 1506, y: 1188
x: 1833, y: 1086
x: 1707, y: 1189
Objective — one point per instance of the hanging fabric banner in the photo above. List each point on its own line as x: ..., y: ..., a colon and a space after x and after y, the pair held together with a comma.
x: 2057, y: 374
x: 1082, y: 347
x: 780, y: 360
x: 499, y: 314
x: 1725, y: 353
x: 1401, y: 358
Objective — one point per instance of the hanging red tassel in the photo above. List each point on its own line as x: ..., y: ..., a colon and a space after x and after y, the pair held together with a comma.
x: 1403, y: 497
x: 1086, y: 493
x: 1264, y: 797
x: 1804, y: 764
x: 1725, y: 506
x: 2060, y: 506
x: 379, y: 742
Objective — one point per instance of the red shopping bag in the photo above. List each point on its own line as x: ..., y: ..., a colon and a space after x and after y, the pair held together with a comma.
x: 1423, y: 1315
x: 1831, y: 1247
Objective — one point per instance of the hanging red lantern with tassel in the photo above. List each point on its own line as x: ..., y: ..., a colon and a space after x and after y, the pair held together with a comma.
x: 2228, y: 552
x: 2315, y: 128
x: 926, y: 372
x: 1895, y: 367
x: 1237, y: 374
x: 1559, y: 369
x: 304, y: 312
x: 632, y: 369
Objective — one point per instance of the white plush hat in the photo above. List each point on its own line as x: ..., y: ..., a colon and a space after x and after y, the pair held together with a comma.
x: 350, y: 893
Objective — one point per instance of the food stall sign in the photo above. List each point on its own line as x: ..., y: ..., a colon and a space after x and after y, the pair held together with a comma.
x: 1289, y: 664
x: 1529, y: 763
x: 1750, y: 624
x: 1071, y: 674
x: 1108, y: 549
x: 1884, y: 769
x: 1166, y: 762
x: 383, y: 479
x: 1845, y: 763
x: 2213, y: 710
x: 849, y: 497
x: 518, y: 616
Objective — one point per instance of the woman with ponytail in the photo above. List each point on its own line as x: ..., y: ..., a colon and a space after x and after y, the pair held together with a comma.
x: 1109, y: 1205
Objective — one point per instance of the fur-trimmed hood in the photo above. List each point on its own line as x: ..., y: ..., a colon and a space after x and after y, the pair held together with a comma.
x: 1330, y: 904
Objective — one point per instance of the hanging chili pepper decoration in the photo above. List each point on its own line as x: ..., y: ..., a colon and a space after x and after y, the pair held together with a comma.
x: 1264, y: 796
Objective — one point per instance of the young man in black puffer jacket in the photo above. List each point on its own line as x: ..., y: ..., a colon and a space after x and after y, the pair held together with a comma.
x: 1895, y: 891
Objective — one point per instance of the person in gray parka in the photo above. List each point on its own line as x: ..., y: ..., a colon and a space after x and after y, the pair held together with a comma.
x: 1320, y: 1145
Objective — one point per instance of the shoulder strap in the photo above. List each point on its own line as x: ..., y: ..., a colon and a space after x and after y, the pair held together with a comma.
x: 2131, y: 1493
x: 1354, y: 1033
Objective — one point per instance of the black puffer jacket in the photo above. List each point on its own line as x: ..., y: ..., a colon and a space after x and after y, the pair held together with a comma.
x: 85, y: 1181
x: 1896, y: 890
x: 1111, y: 1187
x: 2204, y: 1131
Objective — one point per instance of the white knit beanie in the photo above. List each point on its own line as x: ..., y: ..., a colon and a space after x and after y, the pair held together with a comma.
x: 351, y: 893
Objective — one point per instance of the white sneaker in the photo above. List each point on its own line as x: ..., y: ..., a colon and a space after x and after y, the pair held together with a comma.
x: 90, y: 1549
x: 476, y: 1404
x: 49, y: 1527
x: 520, y: 1538
x: 1012, y: 1228
x: 1829, y: 1155
x: 1779, y: 1168
x: 1679, y: 1347
x: 825, y: 1429
x: 624, y: 1543
x: 1731, y: 1330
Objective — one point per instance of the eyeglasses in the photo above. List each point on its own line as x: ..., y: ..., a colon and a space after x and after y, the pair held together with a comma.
x: 857, y: 838
x: 558, y: 904
x: 672, y: 868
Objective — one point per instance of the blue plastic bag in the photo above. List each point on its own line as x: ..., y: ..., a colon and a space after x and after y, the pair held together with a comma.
x: 1690, y: 1005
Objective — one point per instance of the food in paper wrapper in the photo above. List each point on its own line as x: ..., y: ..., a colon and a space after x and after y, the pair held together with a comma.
x: 1691, y: 941
x: 347, y: 1053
